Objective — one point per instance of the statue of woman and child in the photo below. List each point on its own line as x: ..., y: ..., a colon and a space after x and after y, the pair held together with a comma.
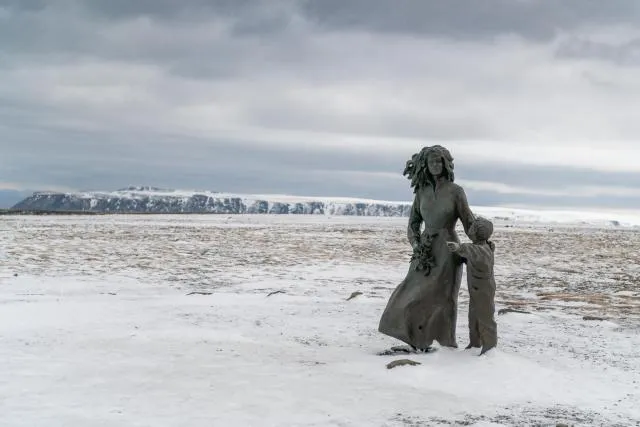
x: 424, y: 307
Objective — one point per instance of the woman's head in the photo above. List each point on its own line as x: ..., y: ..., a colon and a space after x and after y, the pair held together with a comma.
x: 434, y: 164
x: 428, y: 165
x: 439, y: 161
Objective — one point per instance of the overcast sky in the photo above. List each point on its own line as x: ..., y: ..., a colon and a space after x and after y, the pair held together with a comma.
x: 538, y: 101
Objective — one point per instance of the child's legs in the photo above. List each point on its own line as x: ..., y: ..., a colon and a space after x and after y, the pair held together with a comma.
x: 474, y: 332
x: 484, y: 312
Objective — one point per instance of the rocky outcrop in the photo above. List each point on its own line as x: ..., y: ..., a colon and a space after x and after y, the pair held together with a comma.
x: 158, y: 201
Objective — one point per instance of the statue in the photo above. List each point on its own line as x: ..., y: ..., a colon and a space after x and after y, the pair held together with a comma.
x: 481, y: 282
x: 424, y: 306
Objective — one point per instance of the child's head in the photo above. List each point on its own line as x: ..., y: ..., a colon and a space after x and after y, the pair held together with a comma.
x: 481, y: 229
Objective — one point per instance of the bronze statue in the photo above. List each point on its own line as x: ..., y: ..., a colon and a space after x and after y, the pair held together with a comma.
x: 423, y: 307
x: 481, y: 282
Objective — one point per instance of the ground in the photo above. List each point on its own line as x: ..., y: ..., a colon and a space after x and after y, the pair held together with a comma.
x: 167, y: 320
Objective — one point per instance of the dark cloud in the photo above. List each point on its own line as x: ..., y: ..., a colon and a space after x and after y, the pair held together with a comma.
x: 169, y: 9
x: 546, y: 177
x: 125, y: 9
x: 110, y: 160
x: 486, y: 198
x: 24, y: 5
x: 471, y: 19
x: 317, y: 97
x: 536, y: 19
x: 626, y: 53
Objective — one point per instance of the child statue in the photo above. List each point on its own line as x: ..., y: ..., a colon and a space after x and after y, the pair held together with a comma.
x: 478, y: 257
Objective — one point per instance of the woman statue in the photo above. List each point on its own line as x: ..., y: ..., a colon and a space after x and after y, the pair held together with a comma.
x: 424, y: 307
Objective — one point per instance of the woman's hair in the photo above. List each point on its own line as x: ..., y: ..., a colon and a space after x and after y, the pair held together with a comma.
x: 417, y: 169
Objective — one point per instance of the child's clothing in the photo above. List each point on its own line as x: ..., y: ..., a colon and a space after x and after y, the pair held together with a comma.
x: 483, y: 331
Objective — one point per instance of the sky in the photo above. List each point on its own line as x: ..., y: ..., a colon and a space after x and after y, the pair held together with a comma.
x: 536, y: 100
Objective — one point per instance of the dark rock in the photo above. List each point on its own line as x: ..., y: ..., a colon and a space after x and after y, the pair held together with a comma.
x: 402, y: 362
x: 353, y: 295
x: 279, y: 208
x: 276, y: 292
x: 594, y: 318
x: 511, y: 310
x: 156, y: 201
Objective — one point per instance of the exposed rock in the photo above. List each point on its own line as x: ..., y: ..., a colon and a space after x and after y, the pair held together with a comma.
x: 158, y: 201
x: 511, y: 310
x: 353, y: 295
x: 594, y: 318
x: 402, y: 362
x: 276, y: 292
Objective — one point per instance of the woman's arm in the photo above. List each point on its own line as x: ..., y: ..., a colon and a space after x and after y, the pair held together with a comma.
x: 463, y: 210
x: 415, y: 222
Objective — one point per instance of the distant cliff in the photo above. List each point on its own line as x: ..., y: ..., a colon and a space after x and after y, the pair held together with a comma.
x: 159, y: 201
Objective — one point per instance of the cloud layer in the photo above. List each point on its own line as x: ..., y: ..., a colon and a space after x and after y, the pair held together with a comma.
x: 537, y: 100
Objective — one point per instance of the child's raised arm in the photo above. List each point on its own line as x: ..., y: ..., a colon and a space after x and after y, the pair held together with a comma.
x: 477, y: 255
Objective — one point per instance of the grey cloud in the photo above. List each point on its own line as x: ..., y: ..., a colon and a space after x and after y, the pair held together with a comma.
x: 486, y: 198
x: 626, y: 53
x: 148, y: 151
x: 173, y: 40
x: 168, y: 9
x: 244, y: 17
x: 126, y: 9
x: 470, y: 19
x: 9, y: 198
x: 458, y: 126
x: 457, y: 19
x: 293, y: 65
x: 70, y: 25
x: 104, y: 161
x: 24, y: 5
x: 195, y: 39
x: 454, y: 18
x: 545, y: 177
x: 217, y: 166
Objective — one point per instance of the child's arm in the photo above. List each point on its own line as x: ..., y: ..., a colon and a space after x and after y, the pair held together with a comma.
x: 453, y: 248
x: 473, y: 254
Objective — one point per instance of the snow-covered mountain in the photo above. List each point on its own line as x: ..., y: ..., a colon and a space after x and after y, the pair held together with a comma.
x: 156, y: 200
x: 162, y: 201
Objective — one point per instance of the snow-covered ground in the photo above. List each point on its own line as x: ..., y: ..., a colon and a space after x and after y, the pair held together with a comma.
x: 101, y: 327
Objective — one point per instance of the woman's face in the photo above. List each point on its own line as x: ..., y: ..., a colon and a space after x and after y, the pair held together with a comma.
x: 434, y: 163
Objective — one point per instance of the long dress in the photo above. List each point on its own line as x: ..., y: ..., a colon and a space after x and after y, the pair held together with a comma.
x: 424, y: 307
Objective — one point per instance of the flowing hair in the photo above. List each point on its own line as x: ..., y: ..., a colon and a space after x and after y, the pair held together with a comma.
x: 417, y: 169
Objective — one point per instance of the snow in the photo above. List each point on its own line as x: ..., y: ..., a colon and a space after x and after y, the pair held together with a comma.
x: 138, y: 192
x: 626, y: 218
x: 98, y: 327
x: 583, y: 217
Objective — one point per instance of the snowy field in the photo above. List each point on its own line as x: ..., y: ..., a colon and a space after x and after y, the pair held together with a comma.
x: 167, y: 321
